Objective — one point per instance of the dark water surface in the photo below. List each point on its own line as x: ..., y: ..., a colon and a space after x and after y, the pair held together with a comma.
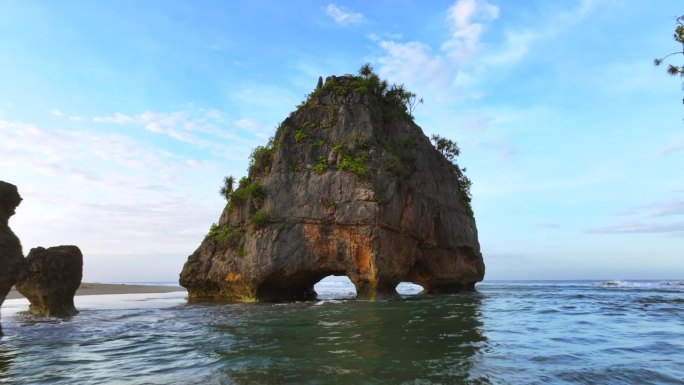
x: 507, y: 333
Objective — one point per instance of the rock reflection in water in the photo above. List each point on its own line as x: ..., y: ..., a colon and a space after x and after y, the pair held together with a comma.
x: 7, y: 355
x: 410, y: 340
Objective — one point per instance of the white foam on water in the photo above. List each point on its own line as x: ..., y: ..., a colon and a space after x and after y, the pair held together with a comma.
x: 106, y: 301
x: 672, y: 285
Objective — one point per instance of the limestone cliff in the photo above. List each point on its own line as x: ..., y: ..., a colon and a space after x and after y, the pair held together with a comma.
x: 349, y: 185
x: 11, y: 255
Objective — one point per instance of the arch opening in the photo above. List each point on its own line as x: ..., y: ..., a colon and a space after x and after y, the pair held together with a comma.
x: 409, y: 288
x: 335, y: 287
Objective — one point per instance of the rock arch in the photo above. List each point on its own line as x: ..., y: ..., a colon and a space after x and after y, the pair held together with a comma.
x: 335, y: 287
x: 409, y: 288
x: 349, y: 185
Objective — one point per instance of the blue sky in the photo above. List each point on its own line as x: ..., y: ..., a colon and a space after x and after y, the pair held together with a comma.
x: 119, y: 119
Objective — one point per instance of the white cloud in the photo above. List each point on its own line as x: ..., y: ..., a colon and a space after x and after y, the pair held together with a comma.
x: 516, y: 46
x: 57, y: 113
x: 247, y: 124
x: 649, y: 218
x: 342, y: 16
x: 669, y: 207
x: 444, y: 73
x: 459, y: 65
x: 414, y: 62
x: 205, y: 128
x: 109, y: 194
x: 117, y: 118
x: 641, y: 228
x: 465, y: 19
x: 390, y: 36
x: 73, y: 153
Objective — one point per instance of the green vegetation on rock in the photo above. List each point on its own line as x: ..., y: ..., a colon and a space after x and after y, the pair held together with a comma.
x: 300, y: 135
x: 227, y: 188
x: 321, y: 166
x: 382, y: 200
x: 447, y: 147
x: 225, y: 235
x: 260, y: 160
x: 450, y: 150
x: 679, y: 38
x: 356, y: 164
x: 396, y: 99
x: 259, y: 219
x: 248, y: 190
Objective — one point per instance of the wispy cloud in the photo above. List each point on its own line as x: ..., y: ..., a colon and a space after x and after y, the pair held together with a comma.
x: 415, y: 62
x: 390, y: 36
x: 547, y: 225
x: 670, y: 207
x: 667, y: 150
x: 205, y: 128
x: 75, y: 153
x: 460, y: 63
x: 444, y: 69
x: 117, y: 118
x: 247, y: 124
x: 465, y: 20
x: 107, y: 193
x: 60, y: 115
x: 637, y: 227
x: 342, y: 16
x: 649, y: 218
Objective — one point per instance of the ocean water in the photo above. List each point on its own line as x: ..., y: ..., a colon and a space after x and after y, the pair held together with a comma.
x: 581, y: 332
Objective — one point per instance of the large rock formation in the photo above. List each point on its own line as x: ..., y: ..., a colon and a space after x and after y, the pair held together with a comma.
x: 349, y: 185
x: 51, y: 279
x: 11, y: 256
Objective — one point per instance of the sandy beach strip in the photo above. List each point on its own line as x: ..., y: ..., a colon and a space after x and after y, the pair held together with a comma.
x: 111, y: 288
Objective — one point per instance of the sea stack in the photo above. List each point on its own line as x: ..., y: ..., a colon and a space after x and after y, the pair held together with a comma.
x: 349, y: 185
x: 51, y: 279
x: 11, y: 255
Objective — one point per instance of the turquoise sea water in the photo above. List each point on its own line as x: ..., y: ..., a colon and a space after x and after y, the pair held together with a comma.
x: 582, y: 332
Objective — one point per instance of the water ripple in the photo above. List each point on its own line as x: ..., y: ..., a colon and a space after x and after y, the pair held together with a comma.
x: 505, y: 334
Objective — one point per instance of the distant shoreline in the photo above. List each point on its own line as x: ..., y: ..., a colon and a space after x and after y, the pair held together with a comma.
x: 112, y: 288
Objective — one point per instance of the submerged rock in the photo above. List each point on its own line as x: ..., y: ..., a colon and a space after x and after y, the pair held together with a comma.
x: 11, y: 255
x: 349, y: 185
x: 51, y: 279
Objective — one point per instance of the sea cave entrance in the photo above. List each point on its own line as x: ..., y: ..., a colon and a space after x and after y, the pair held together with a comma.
x: 408, y: 288
x: 335, y: 287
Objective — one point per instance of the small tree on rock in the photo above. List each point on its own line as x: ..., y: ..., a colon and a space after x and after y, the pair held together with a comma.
x: 450, y: 150
x: 447, y: 147
x: 679, y: 37
x: 396, y: 94
x: 227, y: 188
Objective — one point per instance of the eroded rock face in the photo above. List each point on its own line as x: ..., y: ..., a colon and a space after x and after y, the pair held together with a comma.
x: 11, y: 255
x: 351, y: 186
x: 51, y: 279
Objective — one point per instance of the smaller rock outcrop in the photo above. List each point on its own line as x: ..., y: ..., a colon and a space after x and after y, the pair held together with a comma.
x: 51, y: 279
x: 11, y: 255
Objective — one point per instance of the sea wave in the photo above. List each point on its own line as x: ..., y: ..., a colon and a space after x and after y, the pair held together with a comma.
x: 666, y: 285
